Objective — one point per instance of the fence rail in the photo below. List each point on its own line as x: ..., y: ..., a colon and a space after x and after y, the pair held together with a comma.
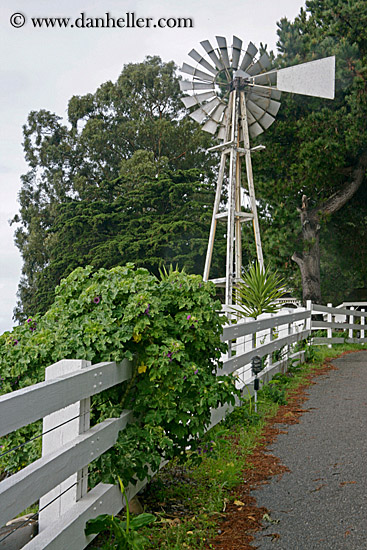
x: 252, y: 326
x: 59, y: 478
x: 47, y: 397
x: 337, y: 321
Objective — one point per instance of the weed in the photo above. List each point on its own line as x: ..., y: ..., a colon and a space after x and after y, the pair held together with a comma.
x: 274, y: 392
x: 243, y: 416
x: 124, y: 534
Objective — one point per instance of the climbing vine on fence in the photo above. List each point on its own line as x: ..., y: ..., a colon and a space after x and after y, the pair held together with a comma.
x: 169, y: 328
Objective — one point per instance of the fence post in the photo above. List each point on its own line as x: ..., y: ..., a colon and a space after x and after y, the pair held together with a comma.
x: 290, y: 332
x: 271, y: 338
x: 351, y: 321
x: 58, y: 437
x: 329, y: 331
x: 308, y: 321
x: 363, y: 322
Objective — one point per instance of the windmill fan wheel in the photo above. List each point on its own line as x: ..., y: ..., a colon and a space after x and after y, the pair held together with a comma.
x: 213, y: 79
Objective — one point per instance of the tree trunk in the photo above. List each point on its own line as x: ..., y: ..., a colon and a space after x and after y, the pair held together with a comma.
x: 309, y: 261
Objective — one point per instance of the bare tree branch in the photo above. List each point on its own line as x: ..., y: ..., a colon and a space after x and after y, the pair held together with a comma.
x: 336, y: 201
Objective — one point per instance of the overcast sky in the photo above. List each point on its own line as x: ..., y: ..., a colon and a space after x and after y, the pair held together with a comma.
x: 41, y: 68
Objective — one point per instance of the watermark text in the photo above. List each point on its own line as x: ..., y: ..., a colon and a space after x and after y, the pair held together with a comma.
x: 129, y: 20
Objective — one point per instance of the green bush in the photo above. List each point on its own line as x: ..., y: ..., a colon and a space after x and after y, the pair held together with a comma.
x: 273, y: 391
x: 243, y: 415
x: 169, y: 328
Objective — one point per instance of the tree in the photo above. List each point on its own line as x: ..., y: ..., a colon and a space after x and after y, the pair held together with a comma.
x: 316, y: 156
x: 79, y: 166
x: 344, y: 265
x: 153, y: 220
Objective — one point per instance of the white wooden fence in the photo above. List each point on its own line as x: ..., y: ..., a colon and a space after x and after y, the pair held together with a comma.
x: 342, y: 324
x: 58, y: 480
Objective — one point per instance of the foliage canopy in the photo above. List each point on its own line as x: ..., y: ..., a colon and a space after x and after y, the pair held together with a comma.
x: 94, y: 184
x: 316, y: 152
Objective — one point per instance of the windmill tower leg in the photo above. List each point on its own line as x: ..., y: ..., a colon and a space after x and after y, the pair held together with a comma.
x: 233, y: 175
x: 250, y: 179
x: 213, y: 226
x: 238, y: 232
x: 218, y: 193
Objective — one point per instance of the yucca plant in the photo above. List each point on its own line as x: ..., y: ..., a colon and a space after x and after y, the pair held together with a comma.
x: 257, y: 292
x: 166, y: 273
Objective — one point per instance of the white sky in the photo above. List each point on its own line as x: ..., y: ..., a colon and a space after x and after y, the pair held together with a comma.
x: 43, y: 68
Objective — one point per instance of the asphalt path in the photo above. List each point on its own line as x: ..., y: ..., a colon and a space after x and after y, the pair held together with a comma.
x: 322, y: 502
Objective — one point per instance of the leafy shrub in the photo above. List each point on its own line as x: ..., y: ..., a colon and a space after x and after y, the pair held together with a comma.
x: 170, y: 329
x: 274, y: 392
x: 243, y: 416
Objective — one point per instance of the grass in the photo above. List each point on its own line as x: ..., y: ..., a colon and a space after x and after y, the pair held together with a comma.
x: 189, y: 499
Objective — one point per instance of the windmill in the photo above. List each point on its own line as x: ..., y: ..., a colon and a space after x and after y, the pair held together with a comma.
x: 235, y: 95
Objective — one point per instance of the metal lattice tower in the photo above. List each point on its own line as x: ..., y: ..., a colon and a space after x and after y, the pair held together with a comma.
x: 237, y: 97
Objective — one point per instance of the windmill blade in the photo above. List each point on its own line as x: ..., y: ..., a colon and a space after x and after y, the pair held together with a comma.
x: 249, y: 56
x: 191, y: 100
x: 254, y: 109
x: 213, y: 56
x: 186, y: 85
x: 266, y: 79
x: 315, y: 78
x: 250, y: 117
x: 222, y: 44
x: 255, y: 130
x: 217, y: 113
x: 266, y: 120
x: 200, y: 75
x: 267, y: 92
x: 222, y: 133
x: 212, y: 124
x: 260, y: 66
x: 236, y: 51
x: 270, y: 106
x: 261, y: 116
x: 200, y: 59
x: 211, y: 105
x: 201, y: 114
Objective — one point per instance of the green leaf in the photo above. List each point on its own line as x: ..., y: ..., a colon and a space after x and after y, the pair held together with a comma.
x: 141, y: 520
x: 101, y: 523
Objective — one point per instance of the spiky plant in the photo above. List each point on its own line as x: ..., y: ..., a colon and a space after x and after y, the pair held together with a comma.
x: 257, y: 292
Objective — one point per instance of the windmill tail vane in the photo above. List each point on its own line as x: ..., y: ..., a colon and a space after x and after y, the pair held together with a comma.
x: 235, y: 94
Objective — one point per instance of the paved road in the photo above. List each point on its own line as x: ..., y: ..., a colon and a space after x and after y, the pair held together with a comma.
x: 322, y: 503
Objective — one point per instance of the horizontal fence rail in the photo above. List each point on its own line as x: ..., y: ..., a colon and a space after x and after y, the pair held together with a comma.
x: 342, y: 325
x: 252, y: 326
x: 62, y: 400
x: 47, y: 397
x: 29, y: 484
x: 234, y: 363
x: 337, y: 311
